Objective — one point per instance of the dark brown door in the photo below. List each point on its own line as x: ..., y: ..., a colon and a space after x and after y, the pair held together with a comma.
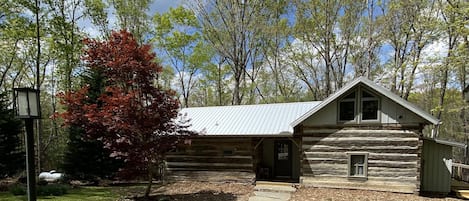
x: 283, y: 159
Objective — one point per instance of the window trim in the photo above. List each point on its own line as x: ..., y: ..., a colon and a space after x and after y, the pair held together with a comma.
x: 365, y: 164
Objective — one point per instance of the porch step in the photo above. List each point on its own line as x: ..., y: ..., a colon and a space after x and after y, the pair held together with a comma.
x: 274, y: 187
x: 272, y: 191
x: 269, y: 196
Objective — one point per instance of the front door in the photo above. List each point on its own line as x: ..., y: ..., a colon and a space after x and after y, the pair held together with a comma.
x: 282, y: 159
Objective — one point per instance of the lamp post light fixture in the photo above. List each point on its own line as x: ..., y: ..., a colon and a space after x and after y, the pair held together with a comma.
x: 27, y: 106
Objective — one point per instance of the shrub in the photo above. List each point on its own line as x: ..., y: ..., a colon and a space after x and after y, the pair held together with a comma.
x: 18, y: 189
x: 52, y: 189
x: 45, y: 190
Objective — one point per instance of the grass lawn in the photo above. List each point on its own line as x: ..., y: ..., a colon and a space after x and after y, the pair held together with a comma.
x: 85, y: 194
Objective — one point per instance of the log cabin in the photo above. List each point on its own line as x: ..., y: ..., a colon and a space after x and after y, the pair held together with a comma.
x: 361, y: 137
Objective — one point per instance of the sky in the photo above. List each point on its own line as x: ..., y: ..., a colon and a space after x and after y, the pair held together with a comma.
x: 158, y: 6
x: 162, y: 6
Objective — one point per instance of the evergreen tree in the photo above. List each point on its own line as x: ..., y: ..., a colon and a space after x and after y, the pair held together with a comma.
x: 86, y: 158
x: 12, y: 158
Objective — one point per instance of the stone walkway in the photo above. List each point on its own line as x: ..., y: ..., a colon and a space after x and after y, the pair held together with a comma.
x: 272, y: 191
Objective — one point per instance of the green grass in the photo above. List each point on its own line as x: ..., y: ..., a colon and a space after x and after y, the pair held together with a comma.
x: 85, y: 194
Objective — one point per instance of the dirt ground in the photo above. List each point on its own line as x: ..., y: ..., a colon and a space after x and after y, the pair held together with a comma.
x: 204, y: 191
x: 323, y: 194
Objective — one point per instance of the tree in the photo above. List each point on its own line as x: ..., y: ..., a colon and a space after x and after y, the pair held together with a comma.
x: 409, y: 27
x: 134, y: 119
x: 328, y: 27
x: 12, y: 157
x: 233, y: 29
x: 86, y: 158
x: 177, y: 35
x: 132, y: 16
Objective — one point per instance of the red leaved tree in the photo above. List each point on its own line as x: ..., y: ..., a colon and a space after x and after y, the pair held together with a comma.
x: 132, y: 117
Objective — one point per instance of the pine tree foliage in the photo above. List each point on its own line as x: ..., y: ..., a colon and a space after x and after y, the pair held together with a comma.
x: 12, y: 158
x: 86, y: 159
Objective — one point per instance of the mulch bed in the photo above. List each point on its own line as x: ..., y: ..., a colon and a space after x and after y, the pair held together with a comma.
x: 324, y: 194
x: 202, y: 191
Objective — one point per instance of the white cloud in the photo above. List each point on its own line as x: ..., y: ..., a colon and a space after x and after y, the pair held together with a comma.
x: 436, y: 50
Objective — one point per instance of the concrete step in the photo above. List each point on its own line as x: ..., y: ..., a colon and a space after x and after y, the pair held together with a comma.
x: 275, y: 195
x: 257, y: 198
x: 274, y: 188
x: 274, y: 183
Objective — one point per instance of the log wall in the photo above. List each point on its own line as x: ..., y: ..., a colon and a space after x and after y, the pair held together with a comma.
x: 213, y: 159
x: 393, y: 158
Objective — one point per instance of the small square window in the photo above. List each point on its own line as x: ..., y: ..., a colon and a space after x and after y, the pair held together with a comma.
x: 228, y: 152
x: 357, y: 164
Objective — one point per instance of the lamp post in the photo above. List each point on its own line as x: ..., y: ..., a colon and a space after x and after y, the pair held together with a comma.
x: 466, y: 126
x: 26, y: 105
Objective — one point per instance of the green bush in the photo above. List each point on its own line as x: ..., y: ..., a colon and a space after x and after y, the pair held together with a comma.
x: 52, y: 189
x: 45, y: 190
x: 18, y: 189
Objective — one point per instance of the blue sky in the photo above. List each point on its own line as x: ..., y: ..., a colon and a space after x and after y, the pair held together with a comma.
x: 162, y: 6
x: 158, y: 6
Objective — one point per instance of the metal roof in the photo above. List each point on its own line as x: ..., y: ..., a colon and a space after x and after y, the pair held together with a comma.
x: 448, y: 143
x: 246, y: 120
x: 377, y: 88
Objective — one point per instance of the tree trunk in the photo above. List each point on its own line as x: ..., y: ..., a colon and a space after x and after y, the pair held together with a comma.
x: 150, y: 182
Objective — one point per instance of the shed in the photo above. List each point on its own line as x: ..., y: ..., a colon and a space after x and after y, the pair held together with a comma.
x: 437, y: 165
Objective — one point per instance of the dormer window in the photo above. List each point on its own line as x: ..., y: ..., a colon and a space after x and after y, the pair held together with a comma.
x: 370, y: 106
x: 347, y: 108
x: 359, y: 105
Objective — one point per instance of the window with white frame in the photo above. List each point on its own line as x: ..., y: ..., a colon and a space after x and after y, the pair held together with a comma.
x: 357, y: 164
x: 357, y: 106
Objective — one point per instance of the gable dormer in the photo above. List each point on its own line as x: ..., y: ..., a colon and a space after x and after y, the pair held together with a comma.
x: 363, y: 102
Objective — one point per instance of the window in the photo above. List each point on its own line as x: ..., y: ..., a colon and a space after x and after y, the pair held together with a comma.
x: 347, y: 108
x: 370, y: 106
x: 357, y: 164
x: 360, y: 105
x: 228, y: 152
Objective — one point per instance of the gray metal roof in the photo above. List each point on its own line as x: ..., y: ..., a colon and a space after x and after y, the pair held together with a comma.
x: 385, y: 92
x: 448, y: 143
x: 246, y: 120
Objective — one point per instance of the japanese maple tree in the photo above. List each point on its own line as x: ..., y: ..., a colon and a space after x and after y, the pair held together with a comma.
x: 133, y: 118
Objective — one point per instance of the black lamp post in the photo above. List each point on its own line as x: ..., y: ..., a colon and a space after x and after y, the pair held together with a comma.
x: 26, y: 106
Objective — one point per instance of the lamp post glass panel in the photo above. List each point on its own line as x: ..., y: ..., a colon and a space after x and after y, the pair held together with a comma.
x: 26, y: 105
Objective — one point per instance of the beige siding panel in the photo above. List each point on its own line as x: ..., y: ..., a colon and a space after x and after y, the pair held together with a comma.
x: 393, y: 113
x: 326, y: 116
